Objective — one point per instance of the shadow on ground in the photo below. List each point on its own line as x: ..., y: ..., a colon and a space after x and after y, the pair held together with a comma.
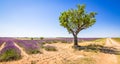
x: 99, y: 48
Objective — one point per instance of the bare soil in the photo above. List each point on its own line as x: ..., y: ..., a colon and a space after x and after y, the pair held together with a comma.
x: 66, y: 55
x: 2, y: 46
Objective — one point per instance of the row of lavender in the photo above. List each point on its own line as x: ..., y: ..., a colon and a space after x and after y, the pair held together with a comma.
x: 30, y: 46
x: 9, y: 52
x: 66, y: 40
x: 1, y: 42
x: 47, y: 40
x: 12, y: 52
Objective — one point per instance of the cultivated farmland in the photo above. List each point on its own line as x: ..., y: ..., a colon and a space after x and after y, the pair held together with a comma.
x: 59, y: 51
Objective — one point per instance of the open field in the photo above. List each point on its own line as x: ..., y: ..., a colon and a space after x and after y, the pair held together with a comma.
x: 116, y: 39
x: 57, y: 51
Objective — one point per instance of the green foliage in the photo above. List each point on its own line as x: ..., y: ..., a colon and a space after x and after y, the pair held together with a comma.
x: 50, y: 48
x: 41, y: 38
x: 33, y: 51
x: 75, y: 20
x: 43, y: 43
x: 9, y: 55
x: 32, y: 38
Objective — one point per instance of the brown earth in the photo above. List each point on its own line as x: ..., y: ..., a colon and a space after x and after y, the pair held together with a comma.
x: 2, y: 46
x: 67, y: 55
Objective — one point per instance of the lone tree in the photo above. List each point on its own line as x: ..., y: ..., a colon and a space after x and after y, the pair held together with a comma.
x: 75, y: 20
x: 41, y: 38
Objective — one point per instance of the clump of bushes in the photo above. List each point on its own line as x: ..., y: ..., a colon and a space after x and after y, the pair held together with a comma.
x: 41, y: 38
x: 50, y: 48
x: 91, y: 47
x: 33, y: 51
x: 43, y: 43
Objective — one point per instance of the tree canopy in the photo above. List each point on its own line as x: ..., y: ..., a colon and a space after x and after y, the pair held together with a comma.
x: 75, y: 20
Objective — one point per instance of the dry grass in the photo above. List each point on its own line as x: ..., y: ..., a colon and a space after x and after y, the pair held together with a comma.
x: 97, y: 42
x: 116, y: 39
x: 118, y: 56
x: 65, y: 54
x: 84, y: 60
x: 50, y: 48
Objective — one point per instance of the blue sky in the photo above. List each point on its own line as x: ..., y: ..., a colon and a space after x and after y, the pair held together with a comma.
x: 36, y: 18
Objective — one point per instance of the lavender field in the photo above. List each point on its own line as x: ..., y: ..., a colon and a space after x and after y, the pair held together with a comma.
x: 43, y: 51
x: 12, y: 52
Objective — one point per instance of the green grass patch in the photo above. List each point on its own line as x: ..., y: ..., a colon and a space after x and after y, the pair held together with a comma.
x: 100, y: 41
x: 33, y: 51
x: 116, y: 39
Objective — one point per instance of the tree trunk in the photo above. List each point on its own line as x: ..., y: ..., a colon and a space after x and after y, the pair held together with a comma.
x: 75, y: 41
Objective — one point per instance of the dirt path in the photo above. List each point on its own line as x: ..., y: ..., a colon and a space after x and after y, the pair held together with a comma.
x: 2, y: 46
x: 115, y: 44
x: 112, y: 43
x: 23, y: 53
x: 108, y: 43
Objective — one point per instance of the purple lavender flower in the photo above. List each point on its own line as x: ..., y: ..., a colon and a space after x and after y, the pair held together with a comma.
x: 10, y: 52
x: 10, y: 45
x: 1, y: 42
x: 30, y: 46
x: 6, y: 48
